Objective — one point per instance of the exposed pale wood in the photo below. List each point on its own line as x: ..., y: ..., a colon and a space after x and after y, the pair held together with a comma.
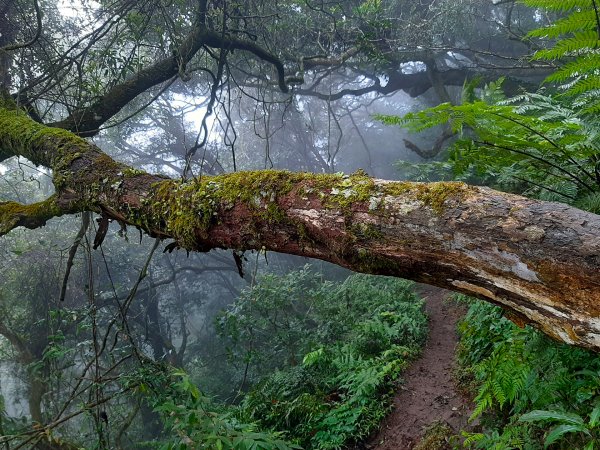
x: 540, y: 260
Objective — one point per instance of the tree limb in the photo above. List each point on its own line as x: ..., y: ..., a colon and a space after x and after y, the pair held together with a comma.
x: 538, y: 259
x: 13, y: 214
x: 414, y: 84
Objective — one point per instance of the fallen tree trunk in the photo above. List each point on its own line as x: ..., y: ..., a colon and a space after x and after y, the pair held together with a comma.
x: 539, y: 260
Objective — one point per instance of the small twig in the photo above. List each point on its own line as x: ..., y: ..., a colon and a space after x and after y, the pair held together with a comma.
x: 33, y: 40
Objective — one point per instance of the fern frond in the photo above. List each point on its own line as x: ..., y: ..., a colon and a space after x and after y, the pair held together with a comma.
x: 592, y: 108
x: 584, y: 85
x: 590, y: 203
x: 584, y: 19
x: 584, y: 65
x: 579, y: 45
x: 557, y: 5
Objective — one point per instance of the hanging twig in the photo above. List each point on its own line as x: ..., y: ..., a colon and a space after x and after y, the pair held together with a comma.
x: 85, y: 223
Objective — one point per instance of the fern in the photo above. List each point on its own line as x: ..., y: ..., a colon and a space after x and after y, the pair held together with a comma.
x: 590, y: 203
x: 558, y: 5
x: 576, y: 21
x: 504, y: 377
x: 577, y: 41
x: 579, y: 68
x: 535, y: 143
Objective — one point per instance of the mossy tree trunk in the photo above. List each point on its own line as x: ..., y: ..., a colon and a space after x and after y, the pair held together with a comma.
x: 539, y: 260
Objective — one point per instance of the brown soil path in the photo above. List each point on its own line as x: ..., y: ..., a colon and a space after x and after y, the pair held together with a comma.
x: 429, y: 393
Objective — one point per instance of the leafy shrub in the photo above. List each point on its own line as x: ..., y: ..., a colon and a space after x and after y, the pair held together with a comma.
x: 194, y: 421
x: 532, y: 392
x: 336, y: 349
x: 318, y: 362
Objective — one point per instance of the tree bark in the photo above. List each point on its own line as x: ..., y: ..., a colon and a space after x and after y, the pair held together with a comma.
x: 37, y: 389
x: 540, y: 260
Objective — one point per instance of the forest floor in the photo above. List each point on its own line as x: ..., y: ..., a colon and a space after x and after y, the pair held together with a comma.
x: 429, y: 394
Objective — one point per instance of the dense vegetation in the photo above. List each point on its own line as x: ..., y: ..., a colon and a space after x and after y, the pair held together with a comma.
x: 353, y: 340
x: 532, y: 393
x: 314, y: 361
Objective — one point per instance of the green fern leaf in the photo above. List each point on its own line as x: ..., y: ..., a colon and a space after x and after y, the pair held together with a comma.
x: 584, y: 19
x: 582, y: 43
x: 557, y: 5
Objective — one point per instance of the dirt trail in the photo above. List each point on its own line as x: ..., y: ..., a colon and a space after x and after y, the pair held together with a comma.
x: 429, y: 393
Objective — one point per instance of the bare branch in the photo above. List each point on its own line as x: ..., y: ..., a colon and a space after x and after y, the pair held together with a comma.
x: 36, y: 36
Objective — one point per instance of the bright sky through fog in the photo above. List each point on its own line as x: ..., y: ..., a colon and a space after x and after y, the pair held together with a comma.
x: 74, y: 9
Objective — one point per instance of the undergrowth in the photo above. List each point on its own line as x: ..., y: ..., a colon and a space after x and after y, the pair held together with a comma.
x: 352, y: 343
x: 313, y: 364
x: 532, y: 392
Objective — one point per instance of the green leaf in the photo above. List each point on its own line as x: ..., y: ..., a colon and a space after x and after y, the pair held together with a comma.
x: 558, y: 432
x: 539, y: 415
x: 595, y: 415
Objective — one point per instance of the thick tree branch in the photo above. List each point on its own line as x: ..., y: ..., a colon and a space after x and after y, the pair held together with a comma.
x: 538, y: 259
x: 13, y: 215
x: 416, y: 84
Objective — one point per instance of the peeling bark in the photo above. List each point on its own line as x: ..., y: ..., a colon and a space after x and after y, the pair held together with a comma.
x: 540, y: 260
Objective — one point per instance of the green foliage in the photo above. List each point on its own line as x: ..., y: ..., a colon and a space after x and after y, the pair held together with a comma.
x: 325, y: 357
x: 534, y: 143
x: 194, y: 421
x: 531, y: 392
x: 569, y: 423
x: 313, y: 363
x: 577, y: 40
x: 542, y: 144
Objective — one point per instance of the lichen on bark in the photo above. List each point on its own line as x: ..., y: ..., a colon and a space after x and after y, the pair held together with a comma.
x: 507, y: 249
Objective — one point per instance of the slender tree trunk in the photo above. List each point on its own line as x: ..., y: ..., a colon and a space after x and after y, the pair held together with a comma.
x: 35, y: 396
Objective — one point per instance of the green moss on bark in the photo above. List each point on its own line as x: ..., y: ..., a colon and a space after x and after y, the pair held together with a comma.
x: 187, y: 210
x: 14, y: 214
x: 433, y: 195
x: 40, y: 144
